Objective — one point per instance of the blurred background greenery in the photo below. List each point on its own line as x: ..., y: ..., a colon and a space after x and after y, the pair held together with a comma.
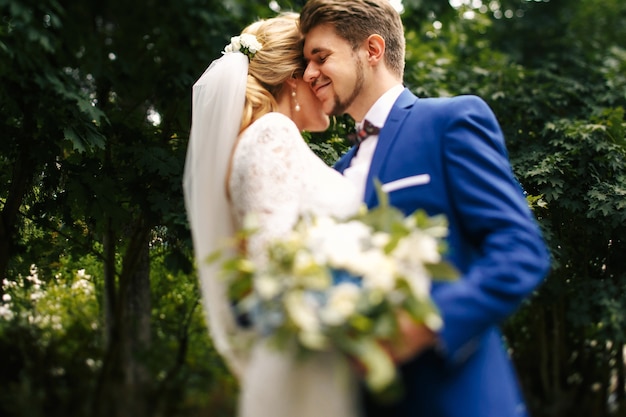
x: 99, y: 309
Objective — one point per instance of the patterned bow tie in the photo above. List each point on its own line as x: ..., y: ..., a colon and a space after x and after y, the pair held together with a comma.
x: 366, y: 130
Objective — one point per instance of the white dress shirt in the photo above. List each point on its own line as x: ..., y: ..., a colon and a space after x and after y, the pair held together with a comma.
x: 377, y: 115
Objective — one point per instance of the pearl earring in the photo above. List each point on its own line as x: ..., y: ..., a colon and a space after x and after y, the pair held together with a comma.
x: 297, y: 106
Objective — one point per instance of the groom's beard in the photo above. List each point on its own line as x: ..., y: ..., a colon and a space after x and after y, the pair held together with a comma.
x: 341, y: 106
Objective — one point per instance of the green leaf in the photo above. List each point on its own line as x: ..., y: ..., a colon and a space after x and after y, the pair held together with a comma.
x: 443, y: 271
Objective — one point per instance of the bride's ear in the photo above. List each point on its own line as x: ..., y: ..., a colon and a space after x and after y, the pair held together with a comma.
x: 291, y: 83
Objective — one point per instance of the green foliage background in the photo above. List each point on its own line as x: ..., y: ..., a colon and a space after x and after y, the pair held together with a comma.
x: 82, y: 166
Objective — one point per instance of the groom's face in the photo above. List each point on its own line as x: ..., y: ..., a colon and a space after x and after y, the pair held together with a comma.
x: 334, y: 71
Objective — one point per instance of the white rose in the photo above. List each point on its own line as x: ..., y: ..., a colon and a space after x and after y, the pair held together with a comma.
x: 313, y: 340
x: 379, y: 271
x: 266, y: 286
x: 380, y: 239
x: 341, y: 303
x: 303, y: 262
x: 316, y: 235
x: 418, y: 248
x: 249, y: 41
x: 344, y: 244
x: 433, y: 322
x: 235, y: 43
x: 302, y: 311
x: 418, y: 279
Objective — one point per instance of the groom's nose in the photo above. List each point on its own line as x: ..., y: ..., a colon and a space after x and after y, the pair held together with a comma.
x: 311, y: 72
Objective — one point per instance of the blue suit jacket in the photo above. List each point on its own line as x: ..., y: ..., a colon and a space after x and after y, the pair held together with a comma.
x: 451, y: 154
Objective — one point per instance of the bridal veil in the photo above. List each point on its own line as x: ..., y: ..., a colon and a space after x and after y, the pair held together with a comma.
x: 217, y: 107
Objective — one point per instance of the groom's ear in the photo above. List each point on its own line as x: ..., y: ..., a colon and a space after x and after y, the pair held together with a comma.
x: 375, y: 46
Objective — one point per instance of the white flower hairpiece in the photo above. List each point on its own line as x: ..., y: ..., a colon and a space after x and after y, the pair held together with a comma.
x: 245, y: 43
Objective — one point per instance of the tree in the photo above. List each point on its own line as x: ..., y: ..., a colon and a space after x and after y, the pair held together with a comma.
x: 85, y: 164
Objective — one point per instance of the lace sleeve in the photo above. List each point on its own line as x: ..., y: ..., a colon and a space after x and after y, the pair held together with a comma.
x: 266, y: 177
x: 277, y: 177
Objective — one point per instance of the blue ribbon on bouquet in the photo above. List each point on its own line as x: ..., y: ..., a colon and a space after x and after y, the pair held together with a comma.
x: 341, y: 276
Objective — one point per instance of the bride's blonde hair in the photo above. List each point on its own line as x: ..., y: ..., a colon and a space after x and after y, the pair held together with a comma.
x: 279, y: 59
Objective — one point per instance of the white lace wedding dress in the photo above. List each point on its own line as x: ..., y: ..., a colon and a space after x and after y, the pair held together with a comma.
x: 276, y: 176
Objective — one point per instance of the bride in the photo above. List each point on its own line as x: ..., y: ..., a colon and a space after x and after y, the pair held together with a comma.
x: 246, y: 155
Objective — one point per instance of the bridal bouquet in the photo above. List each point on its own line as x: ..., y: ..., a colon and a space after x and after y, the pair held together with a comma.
x: 339, y: 285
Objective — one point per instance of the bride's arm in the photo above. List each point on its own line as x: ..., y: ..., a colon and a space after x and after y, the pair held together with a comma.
x: 266, y: 178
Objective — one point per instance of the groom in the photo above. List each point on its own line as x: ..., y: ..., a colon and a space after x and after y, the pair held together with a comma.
x: 445, y: 156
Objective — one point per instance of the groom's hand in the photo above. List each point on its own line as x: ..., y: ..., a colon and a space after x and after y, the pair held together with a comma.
x: 414, y: 338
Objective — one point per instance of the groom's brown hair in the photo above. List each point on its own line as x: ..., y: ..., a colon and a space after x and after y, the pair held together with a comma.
x: 355, y: 20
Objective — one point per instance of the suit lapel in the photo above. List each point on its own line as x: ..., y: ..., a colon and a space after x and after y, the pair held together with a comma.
x: 388, y: 135
x: 344, y: 161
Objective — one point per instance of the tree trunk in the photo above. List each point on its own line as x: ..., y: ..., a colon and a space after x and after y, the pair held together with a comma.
x: 109, y: 388
x: 109, y: 295
x: 20, y: 179
x: 123, y: 385
x: 138, y: 337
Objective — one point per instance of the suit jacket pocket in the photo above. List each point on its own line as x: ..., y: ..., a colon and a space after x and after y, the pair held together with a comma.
x: 406, y: 182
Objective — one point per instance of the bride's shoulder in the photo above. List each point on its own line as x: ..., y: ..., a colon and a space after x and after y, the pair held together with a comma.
x: 276, y: 117
x: 273, y: 120
x: 271, y: 127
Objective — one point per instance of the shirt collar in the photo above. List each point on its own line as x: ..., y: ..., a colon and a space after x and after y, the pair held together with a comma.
x: 377, y: 114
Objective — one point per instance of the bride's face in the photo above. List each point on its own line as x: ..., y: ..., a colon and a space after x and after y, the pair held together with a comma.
x: 311, y: 116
